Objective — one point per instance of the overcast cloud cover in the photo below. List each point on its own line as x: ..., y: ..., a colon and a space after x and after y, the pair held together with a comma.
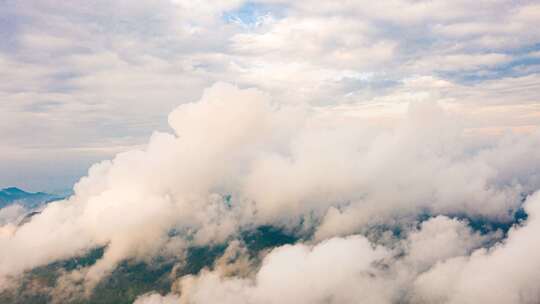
x: 336, y: 122
x: 88, y: 79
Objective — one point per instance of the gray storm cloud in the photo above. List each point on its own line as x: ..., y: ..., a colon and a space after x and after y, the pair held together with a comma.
x: 238, y: 160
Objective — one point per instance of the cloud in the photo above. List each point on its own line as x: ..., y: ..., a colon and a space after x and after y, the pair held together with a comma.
x: 379, y: 134
x: 238, y: 160
x: 441, y: 238
x: 334, y: 271
x: 443, y: 261
x: 107, y: 72
x: 157, y: 299
x: 463, y: 62
x: 11, y: 214
x: 502, y: 274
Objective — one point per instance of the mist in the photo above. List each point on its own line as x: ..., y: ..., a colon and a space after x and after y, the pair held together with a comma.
x: 382, y: 212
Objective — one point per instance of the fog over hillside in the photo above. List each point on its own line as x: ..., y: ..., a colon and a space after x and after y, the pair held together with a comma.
x: 381, y: 215
x: 18, y: 206
x: 270, y: 152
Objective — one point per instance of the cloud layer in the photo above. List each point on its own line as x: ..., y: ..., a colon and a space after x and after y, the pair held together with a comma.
x: 395, y: 143
x: 239, y: 160
x: 91, y: 79
x: 352, y: 270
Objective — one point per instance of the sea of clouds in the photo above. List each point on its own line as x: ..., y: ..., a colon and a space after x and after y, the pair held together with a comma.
x: 237, y: 160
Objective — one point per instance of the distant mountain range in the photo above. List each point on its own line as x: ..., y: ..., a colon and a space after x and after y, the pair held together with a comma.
x: 29, y: 200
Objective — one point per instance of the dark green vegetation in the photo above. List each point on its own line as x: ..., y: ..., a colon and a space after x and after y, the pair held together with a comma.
x: 132, y: 279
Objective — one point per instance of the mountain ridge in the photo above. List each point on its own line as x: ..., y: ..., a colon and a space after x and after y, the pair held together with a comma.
x: 30, y: 200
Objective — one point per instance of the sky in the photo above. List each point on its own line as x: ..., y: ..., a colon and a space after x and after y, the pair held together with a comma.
x: 84, y: 80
